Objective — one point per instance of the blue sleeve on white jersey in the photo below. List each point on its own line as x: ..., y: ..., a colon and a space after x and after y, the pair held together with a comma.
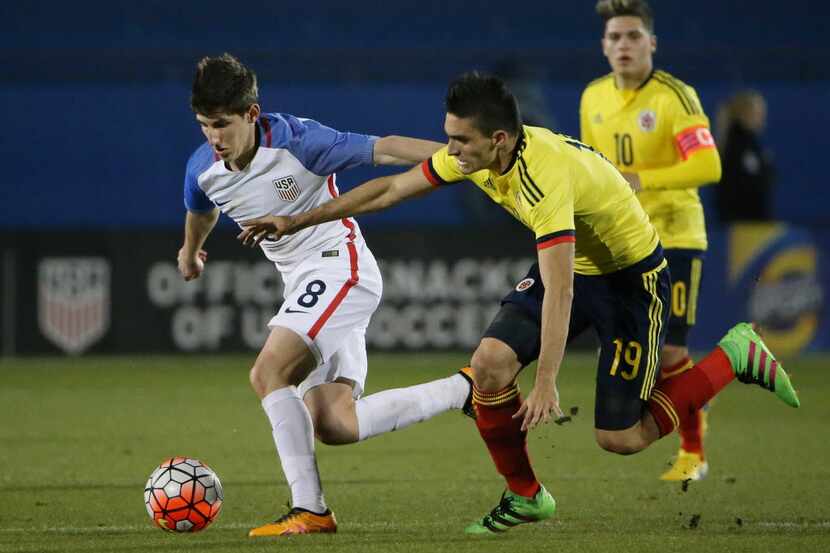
x: 195, y: 198
x: 323, y: 150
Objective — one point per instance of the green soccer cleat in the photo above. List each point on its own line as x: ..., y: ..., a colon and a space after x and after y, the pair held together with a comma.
x: 513, y: 510
x: 753, y: 363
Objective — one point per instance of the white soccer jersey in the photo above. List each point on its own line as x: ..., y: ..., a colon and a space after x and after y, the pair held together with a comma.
x: 332, y: 281
x: 293, y: 171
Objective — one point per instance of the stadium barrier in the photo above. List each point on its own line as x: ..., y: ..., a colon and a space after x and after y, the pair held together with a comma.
x: 120, y: 292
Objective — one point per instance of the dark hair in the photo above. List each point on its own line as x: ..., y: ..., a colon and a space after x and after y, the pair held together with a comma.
x: 223, y: 85
x: 487, y: 100
x: 608, y: 9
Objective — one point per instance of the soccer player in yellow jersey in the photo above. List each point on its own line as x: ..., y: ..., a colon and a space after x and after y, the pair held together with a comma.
x: 600, y: 266
x: 652, y: 127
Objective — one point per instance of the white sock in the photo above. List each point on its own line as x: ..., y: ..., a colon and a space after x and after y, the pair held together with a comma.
x: 390, y: 410
x: 293, y: 434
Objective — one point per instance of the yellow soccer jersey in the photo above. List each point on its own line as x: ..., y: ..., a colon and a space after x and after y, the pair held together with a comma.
x: 647, y: 130
x: 564, y: 192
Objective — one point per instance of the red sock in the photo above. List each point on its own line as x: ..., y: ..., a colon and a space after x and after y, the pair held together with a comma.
x: 504, y: 438
x: 675, y: 400
x: 691, y: 439
x: 678, y: 368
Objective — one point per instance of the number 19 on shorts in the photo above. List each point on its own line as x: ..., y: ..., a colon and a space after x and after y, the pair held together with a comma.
x: 629, y: 355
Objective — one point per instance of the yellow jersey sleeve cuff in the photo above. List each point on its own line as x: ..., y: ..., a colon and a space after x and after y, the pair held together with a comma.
x: 428, y: 169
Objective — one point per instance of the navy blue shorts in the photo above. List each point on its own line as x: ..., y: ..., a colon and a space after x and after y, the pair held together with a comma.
x: 629, y: 311
x: 686, y: 268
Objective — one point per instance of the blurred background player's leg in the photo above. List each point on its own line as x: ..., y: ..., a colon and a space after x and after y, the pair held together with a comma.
x: 686, y: 269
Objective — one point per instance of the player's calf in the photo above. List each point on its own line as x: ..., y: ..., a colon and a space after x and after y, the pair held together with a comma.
x: 332, y: 409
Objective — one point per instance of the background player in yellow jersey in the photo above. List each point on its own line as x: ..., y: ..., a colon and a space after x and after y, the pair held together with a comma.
x: 652, y: 127
x: 600, y: 266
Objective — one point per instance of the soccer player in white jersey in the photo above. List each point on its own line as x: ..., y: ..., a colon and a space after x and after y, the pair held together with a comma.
x: 311, y: 371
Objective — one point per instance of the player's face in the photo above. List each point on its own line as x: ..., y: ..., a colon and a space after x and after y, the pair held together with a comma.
x: 756, y: 116
x: 230, y: 135
x: 472, y: 149
x: 629, y: 46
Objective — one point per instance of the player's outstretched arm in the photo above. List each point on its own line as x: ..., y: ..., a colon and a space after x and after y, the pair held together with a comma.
x: 374, y: 195
x: 556, y: 265
x: 700, y: 168
x: 402, y: 150
x: 192, y: 257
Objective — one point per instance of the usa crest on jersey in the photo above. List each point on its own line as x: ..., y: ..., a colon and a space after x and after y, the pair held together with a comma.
x: 287, y: 188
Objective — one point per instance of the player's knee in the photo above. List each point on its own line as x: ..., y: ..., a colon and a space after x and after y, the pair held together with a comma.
x: 614, y: 445
x: 493, y: 365
x: 256, y: 381
x: 671, y: 355
x: 265, y: 377
x: 621, y: 443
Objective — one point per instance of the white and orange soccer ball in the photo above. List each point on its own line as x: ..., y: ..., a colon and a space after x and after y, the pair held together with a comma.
x: 183, y: 495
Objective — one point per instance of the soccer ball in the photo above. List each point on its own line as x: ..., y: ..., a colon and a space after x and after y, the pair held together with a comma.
x: 183, y: 495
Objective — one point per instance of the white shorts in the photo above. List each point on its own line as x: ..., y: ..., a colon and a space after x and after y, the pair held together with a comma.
x: 329, y: 299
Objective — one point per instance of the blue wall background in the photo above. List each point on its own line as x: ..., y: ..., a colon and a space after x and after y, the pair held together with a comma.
x: 94, y: 95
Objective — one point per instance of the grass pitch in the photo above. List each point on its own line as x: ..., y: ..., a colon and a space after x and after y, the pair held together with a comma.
x: 78, y: 438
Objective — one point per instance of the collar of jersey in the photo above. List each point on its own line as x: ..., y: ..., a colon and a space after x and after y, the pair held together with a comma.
x: 626, y: 92
x: 521, y: 144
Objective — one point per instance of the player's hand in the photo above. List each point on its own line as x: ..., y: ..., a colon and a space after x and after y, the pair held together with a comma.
x: 633, y: 181
x: 538, y: 406
x: 275, y: 227
x: 191, y: 267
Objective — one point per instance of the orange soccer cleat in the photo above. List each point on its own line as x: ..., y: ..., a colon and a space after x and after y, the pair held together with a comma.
x: 298, y: 521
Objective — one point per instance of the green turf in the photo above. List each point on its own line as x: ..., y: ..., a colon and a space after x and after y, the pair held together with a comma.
x: 78, y: 438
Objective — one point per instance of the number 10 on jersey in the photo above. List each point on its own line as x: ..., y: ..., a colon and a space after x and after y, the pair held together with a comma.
x: 624, y: 147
